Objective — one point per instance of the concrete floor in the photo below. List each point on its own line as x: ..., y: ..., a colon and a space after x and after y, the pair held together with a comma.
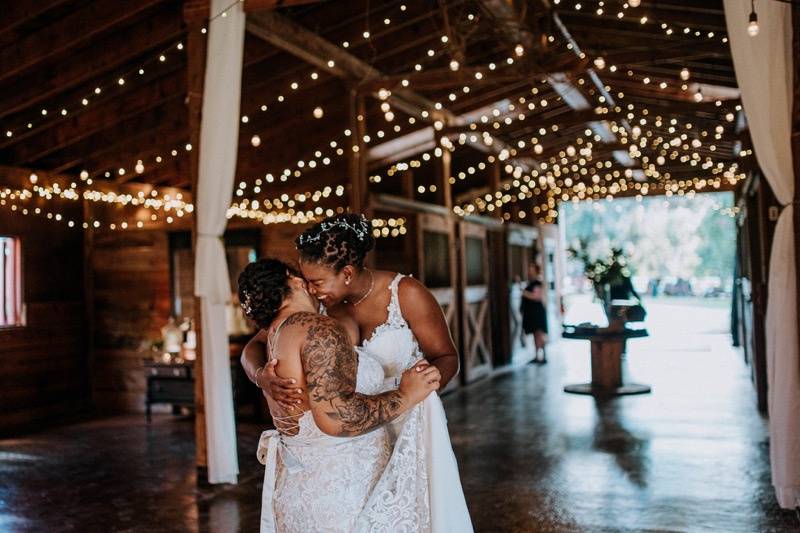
x: 691, y: 456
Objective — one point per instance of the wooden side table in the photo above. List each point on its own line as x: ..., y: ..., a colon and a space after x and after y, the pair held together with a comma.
x: 171, y: 383
x: 607, y: 346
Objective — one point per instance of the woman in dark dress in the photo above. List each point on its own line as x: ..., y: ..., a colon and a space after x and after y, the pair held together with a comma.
x: 534, y: 314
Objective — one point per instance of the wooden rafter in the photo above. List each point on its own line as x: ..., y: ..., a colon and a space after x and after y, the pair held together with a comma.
x: 302, y: 43
x: 443, y: 78
x: 16, y: 14
x: 77, y: 27
x: 155, y: 121
x: 20, y: 177
x: 100, y: 118
x: 31, y: 88
x: 251, y: 6
x: 566, y: 119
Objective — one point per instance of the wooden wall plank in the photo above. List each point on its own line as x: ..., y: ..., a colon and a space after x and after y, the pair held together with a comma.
x: 44, y: 376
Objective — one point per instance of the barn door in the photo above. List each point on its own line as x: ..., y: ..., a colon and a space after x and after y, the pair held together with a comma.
x: 437, y: 269
x: 476, y: 335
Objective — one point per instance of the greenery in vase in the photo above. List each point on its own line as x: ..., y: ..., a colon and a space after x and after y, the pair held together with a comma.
x: 603, y: 272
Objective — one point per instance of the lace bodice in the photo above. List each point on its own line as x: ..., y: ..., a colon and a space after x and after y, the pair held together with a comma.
x: 317, y: 482
x: 393, y: 343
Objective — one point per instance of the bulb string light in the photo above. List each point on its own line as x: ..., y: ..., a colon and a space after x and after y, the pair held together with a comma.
x: 602, y: 8
x: 120, y: 80
x: 15, y: 201
x: 118, y: 84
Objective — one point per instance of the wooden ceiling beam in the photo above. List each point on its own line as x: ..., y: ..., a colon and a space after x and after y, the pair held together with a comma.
x: 677, y: 102
x: 109, y: 141
x: 275, y: 155
x: 649, y: 56
x: 68, y: 32
x: 443, y: 78
x: 562, y: 120
x: 18, y: 13
x: 655, y: 17
x: 610, y: 38
x: 114, y: 101
x: 144, y: 145
x: 252, y: 6
x: 176, y: 172
x: 103, y: 117
x: 11, y: 176
x: 315, y: 50
x: 320, y: 52
x: 32, y: 88
x: 516, y: 27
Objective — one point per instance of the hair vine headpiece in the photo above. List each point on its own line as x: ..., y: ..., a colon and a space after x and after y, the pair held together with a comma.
x: 361, y: 230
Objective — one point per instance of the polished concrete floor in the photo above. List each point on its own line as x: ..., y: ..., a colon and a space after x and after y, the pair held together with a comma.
x: 691, y: 456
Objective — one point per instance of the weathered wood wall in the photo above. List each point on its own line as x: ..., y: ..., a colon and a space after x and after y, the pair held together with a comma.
x: 131, y: 303
x: 45, y: 367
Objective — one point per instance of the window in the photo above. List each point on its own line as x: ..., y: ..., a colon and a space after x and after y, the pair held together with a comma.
x: 474, y: 257
x: 436, y: 256
x: 11, y: 313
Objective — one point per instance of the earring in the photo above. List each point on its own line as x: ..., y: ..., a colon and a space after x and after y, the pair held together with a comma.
x: 347, y: 281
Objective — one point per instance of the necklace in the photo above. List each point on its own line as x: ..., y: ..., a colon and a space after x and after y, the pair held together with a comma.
x: 371, y: 286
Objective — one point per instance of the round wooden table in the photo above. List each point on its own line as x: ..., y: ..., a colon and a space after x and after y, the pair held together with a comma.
x: 607, y: 347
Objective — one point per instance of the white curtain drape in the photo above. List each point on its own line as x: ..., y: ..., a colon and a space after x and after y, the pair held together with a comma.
x: 764, y: 72
x: 219, y: 140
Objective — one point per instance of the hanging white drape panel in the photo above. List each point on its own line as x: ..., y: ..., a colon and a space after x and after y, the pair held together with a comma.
x: 764, y: 72
x: 219, y: 140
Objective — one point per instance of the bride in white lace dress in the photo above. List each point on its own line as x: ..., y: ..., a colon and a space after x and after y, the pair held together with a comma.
x: 329, y: 451
x: 399, y: 321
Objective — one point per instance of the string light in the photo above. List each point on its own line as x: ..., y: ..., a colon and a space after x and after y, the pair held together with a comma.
x: 752, y: 24
x: 119, y: 81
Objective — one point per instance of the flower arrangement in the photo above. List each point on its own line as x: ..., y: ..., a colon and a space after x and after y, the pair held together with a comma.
x: 604, y: 272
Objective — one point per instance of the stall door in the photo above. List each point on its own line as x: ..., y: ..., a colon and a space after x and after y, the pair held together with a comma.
x: 437, y: 271
x: 476, y: 351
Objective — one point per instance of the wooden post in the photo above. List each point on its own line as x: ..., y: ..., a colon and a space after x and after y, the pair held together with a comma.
x: 357, y: 160
x: 444, y: 190
x: 412, y: 238
x: 88, y: 295
x: 494, y: 184
x: 407, y: 184
x: 196, y: 65
x: 444, y: 196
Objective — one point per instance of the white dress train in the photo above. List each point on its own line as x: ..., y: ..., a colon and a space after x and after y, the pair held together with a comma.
x: 420, y: 489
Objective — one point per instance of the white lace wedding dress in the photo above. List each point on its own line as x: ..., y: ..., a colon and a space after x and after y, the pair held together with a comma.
x: 314, y: 482
x: 420, y: 489
x: 402, y: 478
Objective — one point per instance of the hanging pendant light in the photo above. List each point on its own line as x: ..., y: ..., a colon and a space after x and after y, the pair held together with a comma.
x: 752, y: 25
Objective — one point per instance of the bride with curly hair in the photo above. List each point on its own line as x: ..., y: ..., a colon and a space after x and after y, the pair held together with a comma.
x: 396, y: 320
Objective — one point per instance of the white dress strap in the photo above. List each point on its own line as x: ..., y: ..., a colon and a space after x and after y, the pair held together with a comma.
x: 395, y: 314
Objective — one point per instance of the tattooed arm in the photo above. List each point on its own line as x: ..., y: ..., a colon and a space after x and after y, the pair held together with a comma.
x: 331, y: 366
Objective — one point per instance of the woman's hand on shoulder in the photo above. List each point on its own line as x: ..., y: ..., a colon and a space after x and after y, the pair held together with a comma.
x: 284, y: 391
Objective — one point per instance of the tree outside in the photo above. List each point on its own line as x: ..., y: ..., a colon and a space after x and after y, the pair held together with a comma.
x: 676, y: 245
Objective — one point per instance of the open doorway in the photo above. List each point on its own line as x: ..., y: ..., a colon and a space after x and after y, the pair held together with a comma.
x: 678, y: 251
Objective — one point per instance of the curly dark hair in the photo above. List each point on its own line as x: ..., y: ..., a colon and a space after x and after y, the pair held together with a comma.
x: 262, y: 287
x: 337, y: 241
